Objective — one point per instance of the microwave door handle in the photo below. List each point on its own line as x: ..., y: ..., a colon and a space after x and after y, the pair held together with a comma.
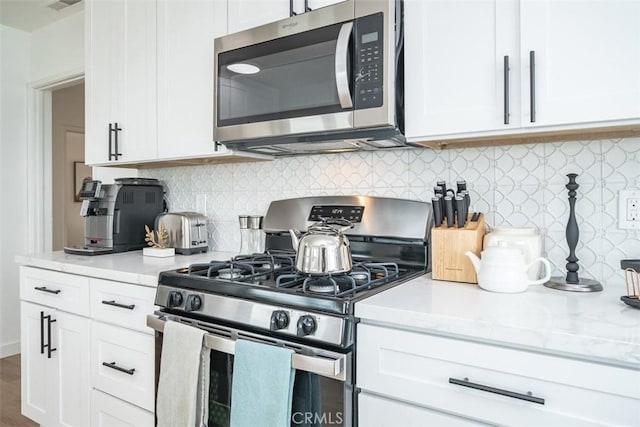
x: 342, y: 74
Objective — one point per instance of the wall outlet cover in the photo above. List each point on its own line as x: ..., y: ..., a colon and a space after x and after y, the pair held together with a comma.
x: 629, y: 209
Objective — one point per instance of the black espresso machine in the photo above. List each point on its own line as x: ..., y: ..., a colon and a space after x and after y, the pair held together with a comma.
x: 115, y: 214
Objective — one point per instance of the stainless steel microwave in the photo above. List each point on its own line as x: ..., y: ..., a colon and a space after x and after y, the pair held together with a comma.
x: 330, y: 79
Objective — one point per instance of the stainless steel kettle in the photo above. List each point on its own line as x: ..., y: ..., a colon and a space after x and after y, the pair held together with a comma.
x: 324, y: 249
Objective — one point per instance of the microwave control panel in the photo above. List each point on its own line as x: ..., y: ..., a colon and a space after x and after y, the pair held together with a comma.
x: 368, y: 62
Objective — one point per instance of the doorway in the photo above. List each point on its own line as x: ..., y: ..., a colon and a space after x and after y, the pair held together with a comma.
x: 67, y: 165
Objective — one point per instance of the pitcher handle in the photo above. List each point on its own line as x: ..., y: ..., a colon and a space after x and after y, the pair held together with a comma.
x: 547, y: 274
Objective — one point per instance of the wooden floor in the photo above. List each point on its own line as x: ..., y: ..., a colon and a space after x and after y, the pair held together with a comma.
x: 10, y: 415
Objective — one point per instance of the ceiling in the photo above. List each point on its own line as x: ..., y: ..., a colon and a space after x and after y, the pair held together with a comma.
x: 30, y: 15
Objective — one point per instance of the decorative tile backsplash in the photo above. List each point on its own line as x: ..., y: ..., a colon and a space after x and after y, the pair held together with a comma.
x: 520, y: 186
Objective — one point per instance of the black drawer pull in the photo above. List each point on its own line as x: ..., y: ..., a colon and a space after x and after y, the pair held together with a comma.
x: 113, y: 365
x: 115, y: 304
x: 527, y: 397
x: 44, y: 289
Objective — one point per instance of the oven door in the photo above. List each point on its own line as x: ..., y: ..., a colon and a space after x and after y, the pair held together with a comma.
x: 323, y: 392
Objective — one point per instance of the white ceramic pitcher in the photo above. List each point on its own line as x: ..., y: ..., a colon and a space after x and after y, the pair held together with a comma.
x: 503, y: 269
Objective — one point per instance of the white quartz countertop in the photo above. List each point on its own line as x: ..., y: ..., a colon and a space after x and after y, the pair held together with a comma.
x: 594, y: 326
x: 130, y: 267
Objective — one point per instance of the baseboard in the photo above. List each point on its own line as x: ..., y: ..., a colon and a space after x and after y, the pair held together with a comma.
x: 9, y: 349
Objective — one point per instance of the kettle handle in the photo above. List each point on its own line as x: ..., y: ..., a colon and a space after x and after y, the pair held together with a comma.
x: 547, y: 274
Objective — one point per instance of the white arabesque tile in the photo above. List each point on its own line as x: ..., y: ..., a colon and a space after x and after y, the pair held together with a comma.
x: 588, y: 207
x: 621, y: 162
x: 427, y: 166
x: 519, y: 165
x: 476, y: 166
x: 389, y: 169
x: 580, y: 157
x: 519, y: 206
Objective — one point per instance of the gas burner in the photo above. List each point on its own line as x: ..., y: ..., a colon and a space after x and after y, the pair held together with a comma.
x: 230, y: 273
x: 329, y: 285
x: 360, y: 276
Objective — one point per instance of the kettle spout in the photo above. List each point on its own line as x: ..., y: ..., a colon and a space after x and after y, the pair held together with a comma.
x: 295, y: 238
x: 474, y: 260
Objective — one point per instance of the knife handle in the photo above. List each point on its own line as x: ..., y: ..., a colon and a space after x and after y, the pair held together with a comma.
x: 437, y: 211
x: 462, y: 185
x: 460, y: 208
x: 448, y: 210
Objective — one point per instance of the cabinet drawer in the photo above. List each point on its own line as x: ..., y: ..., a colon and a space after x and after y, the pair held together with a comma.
x: 122, y: 304
x: 376, y: 411
x: 63, y: 291
x: 122, y: 364
x: 107, y: 411
x: 418, y: 368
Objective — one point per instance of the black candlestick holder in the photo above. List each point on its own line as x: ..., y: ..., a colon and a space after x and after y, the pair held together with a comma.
x: 571, y: 282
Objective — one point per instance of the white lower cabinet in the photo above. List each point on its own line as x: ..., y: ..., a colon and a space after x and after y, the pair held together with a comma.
x: 88, y: 358
x: 489, y: 383
x: 122, y: 364
x: 55, y: 366
x: 377, y: 411
x: 107, y: 411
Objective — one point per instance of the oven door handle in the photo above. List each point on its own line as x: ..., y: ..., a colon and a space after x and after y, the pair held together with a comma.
x: 327, y: 367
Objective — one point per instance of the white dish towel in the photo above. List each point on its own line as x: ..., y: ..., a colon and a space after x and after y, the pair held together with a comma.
x: 183, y: 386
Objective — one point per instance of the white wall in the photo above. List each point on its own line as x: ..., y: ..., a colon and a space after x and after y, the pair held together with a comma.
x: 14, y: 76
x: 45, y: 55
x: 58, y: 49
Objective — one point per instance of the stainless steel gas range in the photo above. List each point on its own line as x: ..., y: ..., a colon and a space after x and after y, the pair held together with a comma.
x: 263, y: 297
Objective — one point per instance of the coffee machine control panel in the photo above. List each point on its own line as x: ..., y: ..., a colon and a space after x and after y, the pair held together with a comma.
x: 90, y: 190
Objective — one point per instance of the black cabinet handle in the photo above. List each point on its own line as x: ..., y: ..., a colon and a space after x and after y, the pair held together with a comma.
x: 113, y: 365
x: 48, y: 345
x: 291, y: 11
x: 42, y: 332
x: 532, y: 84
x: 466, y: 383
x: 110, y: 142
x: 116, y: 129
x: 45, y: 289
x: 306, y: 6
x: 115, y: 304
x: 506, y: 89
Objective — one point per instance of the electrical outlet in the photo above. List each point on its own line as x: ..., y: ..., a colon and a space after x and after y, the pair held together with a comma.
x: 629, y: 209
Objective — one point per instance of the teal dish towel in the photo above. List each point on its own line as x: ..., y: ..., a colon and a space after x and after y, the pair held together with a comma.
x: 262, y: 387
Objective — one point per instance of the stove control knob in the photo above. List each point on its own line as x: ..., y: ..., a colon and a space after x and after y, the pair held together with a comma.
x: 306, y: 325
x: 279, y: 320
x: 193, y: 303
x: 174, y: 299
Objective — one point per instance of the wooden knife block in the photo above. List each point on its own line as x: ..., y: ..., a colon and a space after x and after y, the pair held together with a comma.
x: 449, y: 245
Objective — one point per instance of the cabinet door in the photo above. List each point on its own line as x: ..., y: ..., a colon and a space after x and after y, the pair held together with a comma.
x: 186, y: 31
x: 121, y: 79
x: 376, y: 411
x: 316, y: 4
x: 38, y: 373
x: 72, y: 344
x: 587, y: 60
x: 104, y: 75
x: 454, y: 66
x: 244, y: 14
x: 55, y: 387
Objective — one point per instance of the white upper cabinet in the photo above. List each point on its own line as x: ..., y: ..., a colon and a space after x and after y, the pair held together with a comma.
x: 186, y: 31
x: 454, y: 65
x: 587, y: 60
x: 120, y: 96
x: 244, y: 14
x: 586, y: 56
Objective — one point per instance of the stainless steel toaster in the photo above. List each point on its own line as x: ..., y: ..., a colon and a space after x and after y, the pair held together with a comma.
x: 187, y: 231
